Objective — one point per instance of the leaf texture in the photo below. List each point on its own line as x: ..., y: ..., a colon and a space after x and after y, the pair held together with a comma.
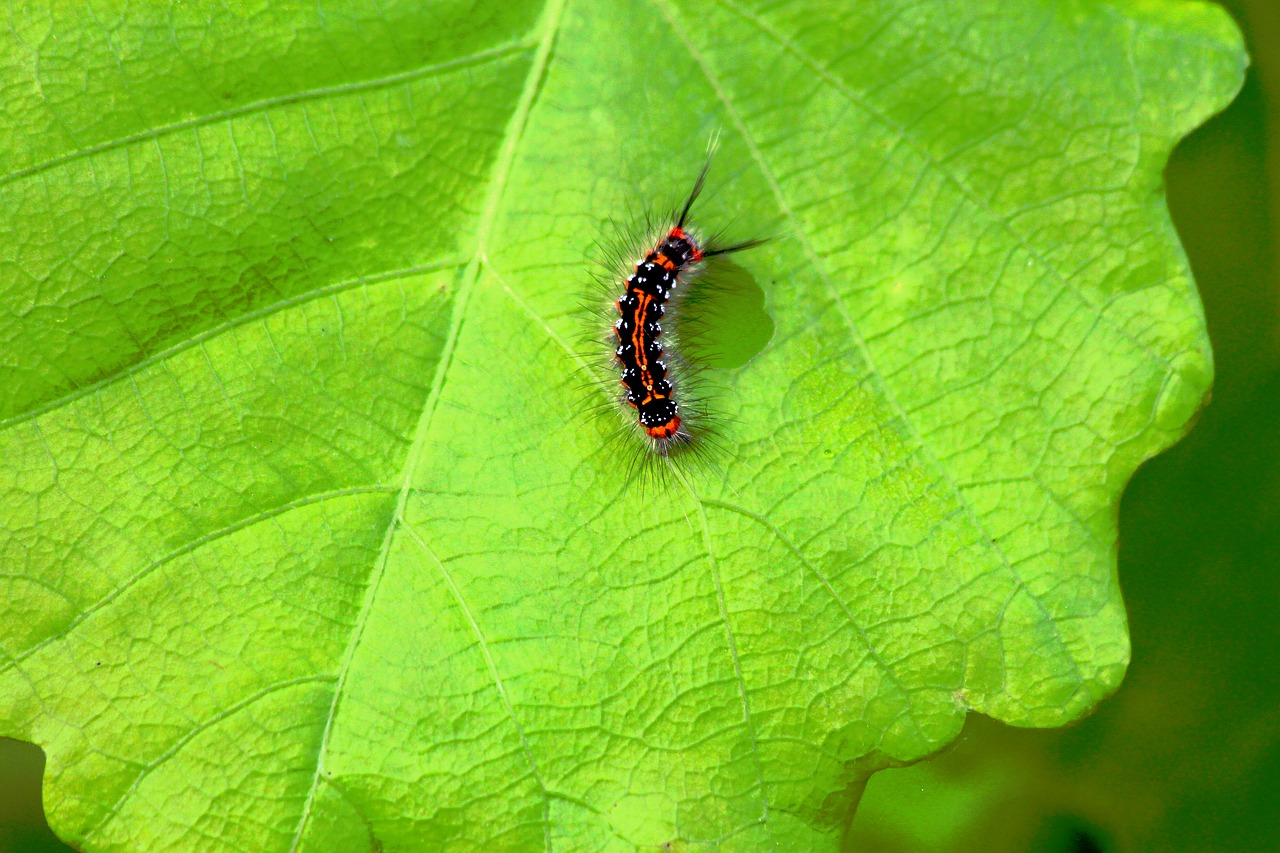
x: 308, y: 543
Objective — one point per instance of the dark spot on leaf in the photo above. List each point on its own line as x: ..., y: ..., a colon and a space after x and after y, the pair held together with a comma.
x: 726, y: 323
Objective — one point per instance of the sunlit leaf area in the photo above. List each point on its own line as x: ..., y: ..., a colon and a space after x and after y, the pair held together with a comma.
x: 323, y: 525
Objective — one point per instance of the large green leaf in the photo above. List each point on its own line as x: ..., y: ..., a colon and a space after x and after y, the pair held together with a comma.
x: 308, y: 542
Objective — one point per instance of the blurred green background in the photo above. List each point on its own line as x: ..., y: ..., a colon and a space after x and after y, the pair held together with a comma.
x: 1187, y: 755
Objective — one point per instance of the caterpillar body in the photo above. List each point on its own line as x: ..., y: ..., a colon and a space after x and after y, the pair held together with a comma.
x: 673, y: 259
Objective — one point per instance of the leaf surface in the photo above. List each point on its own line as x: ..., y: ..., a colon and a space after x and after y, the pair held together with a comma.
x: 308, y: 543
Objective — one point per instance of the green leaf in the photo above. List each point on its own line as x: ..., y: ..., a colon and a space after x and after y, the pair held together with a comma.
x: 308, y: 541
x: 1187, y: 756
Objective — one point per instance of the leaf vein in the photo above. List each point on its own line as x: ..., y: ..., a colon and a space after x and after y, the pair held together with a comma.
x: 155, y: 133
x: 256, y: 518
x: 856, y: 337
x: 947, y: 173
x: 732, y: 642
x: 225, y: 326
x: 549, y: 24
x: 492, y: 666
x: 195, y: 732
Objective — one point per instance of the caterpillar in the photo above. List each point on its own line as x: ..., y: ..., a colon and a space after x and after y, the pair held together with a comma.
x: 675, y: 256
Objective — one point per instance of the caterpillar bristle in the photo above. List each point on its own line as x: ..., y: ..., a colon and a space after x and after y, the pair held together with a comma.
x: 648, y: 272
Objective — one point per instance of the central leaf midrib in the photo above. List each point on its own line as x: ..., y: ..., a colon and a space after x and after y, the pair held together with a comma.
x: 548, y: 25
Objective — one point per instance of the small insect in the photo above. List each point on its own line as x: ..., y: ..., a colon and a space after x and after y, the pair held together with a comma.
x: 674, y: 257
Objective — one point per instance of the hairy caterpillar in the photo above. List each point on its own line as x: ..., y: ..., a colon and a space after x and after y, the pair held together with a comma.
x: 657, y: 379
